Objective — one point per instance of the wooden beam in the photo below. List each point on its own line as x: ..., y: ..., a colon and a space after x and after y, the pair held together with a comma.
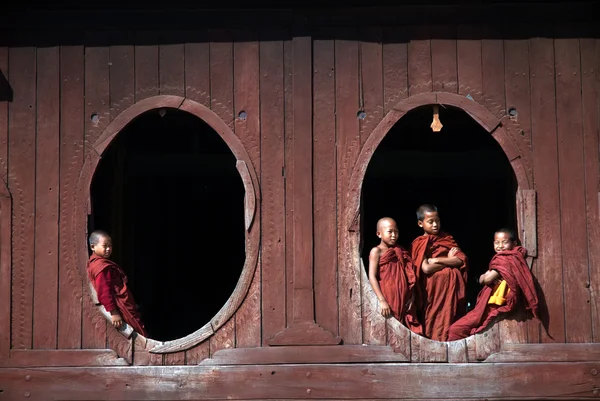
x: 62, y: 358
x: 546, y: 353
x: 575, y: 380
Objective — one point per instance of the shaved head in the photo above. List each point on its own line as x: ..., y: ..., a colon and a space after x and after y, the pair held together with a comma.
x: 96, y: 236
x: 426, y: 208
x: 509, y: 233
x: 383, y: 220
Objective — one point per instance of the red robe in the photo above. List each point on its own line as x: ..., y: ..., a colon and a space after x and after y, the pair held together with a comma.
x: 397, y: 281
x: 512, y: 267
x: 110, y: 283
x: 443, y: 293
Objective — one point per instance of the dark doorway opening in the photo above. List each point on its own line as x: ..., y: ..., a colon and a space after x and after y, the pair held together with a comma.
x: 461, y: 169
x: 168, y: 191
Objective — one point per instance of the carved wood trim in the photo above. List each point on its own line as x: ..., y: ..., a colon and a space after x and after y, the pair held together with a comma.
x: 519, y: 154
x: 252, y: 198
x: 5, y: 267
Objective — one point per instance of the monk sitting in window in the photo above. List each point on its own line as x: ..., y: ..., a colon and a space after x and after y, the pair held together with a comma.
x: 110, y: 283
x: 505, y: 283
x: 392, y: 275
x: 441, y: 274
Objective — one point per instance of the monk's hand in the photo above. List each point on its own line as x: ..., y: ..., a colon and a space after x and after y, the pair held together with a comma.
x: 116, y: 320
x: 385, y: 309
x: 453, y: 252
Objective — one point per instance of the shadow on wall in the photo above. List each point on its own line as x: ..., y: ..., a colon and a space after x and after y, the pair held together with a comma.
x: 6, y: 92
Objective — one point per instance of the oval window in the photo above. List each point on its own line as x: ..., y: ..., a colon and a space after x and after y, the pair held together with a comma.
x: 461, y: 169
x: 168, y: 191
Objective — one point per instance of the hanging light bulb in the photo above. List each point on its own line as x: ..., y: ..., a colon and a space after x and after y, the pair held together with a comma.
x: 436, y: 125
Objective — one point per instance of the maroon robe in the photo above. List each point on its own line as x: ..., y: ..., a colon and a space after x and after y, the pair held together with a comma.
x: 397, y: 281
x: 110, y: 283
x: 443, y: 293
x: 512, y: 267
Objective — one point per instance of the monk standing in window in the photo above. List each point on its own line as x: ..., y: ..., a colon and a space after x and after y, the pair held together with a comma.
x: 441, y: 274
x: 392, y: 276
x: 110, y: 283
x: 505, y: 283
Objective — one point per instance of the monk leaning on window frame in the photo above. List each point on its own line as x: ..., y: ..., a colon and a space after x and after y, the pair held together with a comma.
x: 505, y: 283
x: 392, y: 276
x: 110, y: 283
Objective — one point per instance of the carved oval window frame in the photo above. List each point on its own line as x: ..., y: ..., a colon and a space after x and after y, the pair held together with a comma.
x: 519, y: 153
x: 251, y: 215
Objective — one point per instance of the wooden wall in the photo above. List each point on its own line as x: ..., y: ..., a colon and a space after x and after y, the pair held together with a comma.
x: 281, y: 79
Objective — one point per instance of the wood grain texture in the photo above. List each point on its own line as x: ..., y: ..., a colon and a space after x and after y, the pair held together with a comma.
x: 576, y: 380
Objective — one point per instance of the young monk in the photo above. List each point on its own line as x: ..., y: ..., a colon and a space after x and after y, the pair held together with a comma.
x: 392, y: 276
x: 507, y: 281
x: 441, y: 274
x: 110, y: 283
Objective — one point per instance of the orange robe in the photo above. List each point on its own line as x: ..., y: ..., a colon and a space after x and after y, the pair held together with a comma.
x: 513, y: 269
x: 443, y: 293
x: 110, y: 283
x: 397, y: 281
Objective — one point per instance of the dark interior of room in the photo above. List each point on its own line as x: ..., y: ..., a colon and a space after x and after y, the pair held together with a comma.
x: 461, y: 169
x: 168, y: 192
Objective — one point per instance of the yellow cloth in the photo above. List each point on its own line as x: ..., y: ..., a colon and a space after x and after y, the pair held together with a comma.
x: 500, y: 293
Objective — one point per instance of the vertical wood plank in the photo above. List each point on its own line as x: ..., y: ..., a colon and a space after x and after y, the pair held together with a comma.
x: 246, y: 99
x: 590, y: 62
x: 21, y: 182
x: 122, y: 81
x: 548, y: 268
x: 419, y: 61
x: 516, y: 85
x: 371, y: 92
x: 221, y: 74
x: 71, y: 160
x: 302, y: 223
x: 122, y: 95
x: 517, y: 91
x: 395, y: 67
x: 272, y: 183
x: 146, y: 71
x: 171, y: 69
x: 97, y: 103
x: 468, y: 52
x: 302, y: 202
x: 221, y: 95
x: 288, y: 174
x: 371, y: 81
x: 197, y: 69
x: 324, y: 198
x: 5, y: 212
x: 492, y: 69
x: 348, y: 148
x: 571, y: 173
x: 45, y: 306
x: 444, y: 68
